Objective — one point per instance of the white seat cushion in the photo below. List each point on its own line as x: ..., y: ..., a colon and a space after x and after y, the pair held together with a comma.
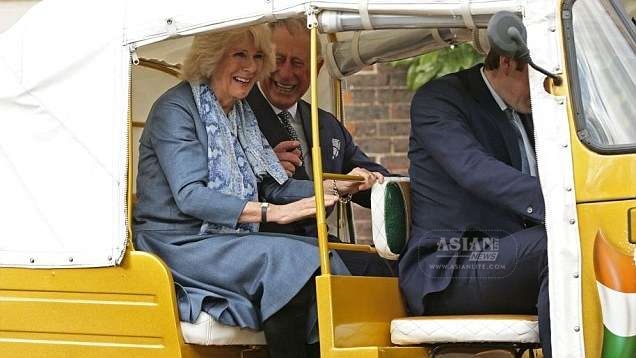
x: 465, y: 329
x: 206, y: 331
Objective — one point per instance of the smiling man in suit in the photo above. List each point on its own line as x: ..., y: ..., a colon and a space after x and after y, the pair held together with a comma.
x: 285, y: 120
x: 478, y: 243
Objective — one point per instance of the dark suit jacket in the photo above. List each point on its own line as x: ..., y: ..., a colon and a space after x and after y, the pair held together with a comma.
x: 332, y: 134
x: 465, y: 178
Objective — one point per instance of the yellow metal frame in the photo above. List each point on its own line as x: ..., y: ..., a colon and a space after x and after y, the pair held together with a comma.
x: 354, y: 313
x: 317, y: 162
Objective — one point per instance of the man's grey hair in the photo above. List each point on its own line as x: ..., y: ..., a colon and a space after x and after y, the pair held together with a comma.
x: 295, y: 26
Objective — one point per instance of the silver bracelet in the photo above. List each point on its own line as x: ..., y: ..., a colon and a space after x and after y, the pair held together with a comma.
x: 341, y: 198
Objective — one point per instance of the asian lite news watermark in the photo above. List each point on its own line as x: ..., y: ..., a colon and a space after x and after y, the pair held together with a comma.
x: 459, y: 255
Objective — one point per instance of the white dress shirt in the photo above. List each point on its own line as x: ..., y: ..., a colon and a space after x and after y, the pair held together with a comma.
x: 527, y: 147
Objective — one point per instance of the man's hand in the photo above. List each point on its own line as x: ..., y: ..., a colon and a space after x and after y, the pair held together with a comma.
x: 369, y: 178
x: 289, y: 155
x: 348, y: 187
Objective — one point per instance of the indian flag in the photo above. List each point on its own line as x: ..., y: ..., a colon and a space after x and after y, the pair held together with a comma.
x: 616, y: 282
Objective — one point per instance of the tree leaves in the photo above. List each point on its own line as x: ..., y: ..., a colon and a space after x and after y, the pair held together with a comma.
x: 424, y: 68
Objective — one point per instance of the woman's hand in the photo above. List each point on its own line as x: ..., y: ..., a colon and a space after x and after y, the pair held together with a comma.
x: 301, y: 209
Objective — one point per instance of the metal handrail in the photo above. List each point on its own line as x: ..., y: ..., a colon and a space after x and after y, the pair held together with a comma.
x: 321, y: 218
x: 343, y: 177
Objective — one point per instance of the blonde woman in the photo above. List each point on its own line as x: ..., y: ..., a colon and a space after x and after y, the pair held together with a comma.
x: 207, y: 179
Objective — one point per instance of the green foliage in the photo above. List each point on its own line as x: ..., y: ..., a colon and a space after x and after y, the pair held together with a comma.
x: 424, y: 68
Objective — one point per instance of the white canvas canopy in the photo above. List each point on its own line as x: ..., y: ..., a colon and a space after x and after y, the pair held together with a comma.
x: 65, y: 72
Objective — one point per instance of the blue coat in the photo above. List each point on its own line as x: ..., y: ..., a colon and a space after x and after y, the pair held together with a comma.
x: 465, y: 177
x: 239, y: 279
x: 172, y: 192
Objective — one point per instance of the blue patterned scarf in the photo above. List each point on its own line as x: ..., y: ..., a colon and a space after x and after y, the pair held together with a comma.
x: 239, y: 156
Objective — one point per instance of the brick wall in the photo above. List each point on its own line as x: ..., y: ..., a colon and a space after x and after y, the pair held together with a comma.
x: 376, y: 108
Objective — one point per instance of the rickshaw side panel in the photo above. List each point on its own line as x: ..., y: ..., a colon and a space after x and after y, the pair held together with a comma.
x: 611, y: 219
x: 124, y: 311
x: 602, y: 177
x: 358, y: 311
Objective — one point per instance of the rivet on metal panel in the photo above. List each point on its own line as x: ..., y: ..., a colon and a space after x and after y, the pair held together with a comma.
x: 564, y: 145
x: 560, y: 101
x: 577, y: 328
x: 31, y: 260
x: 568, y: 188
x: 557, y: 68
x: 70, y: 259
x: 576, y: 275
x: 552, y: 28
x: 169, y: 21
x: 572, y: 221
x: 110, y: 258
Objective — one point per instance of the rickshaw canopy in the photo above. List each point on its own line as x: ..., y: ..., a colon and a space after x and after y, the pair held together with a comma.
x: 65, y: 90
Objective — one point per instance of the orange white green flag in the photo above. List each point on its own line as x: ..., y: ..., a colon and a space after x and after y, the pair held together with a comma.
x: 616, y: 283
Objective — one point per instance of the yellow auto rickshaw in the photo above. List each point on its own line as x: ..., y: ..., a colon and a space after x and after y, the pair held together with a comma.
x: 72, y: 284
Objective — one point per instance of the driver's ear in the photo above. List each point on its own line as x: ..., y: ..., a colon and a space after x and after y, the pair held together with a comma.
x: 505, y: 64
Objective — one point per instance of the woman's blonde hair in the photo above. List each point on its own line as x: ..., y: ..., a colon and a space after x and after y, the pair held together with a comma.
x: 208, y: 49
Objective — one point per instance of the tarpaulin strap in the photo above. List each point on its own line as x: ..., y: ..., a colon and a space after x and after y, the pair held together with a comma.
x: 467, y: 16
x: 355, y: 49
x: 477, y: 42
x: 312, y: 19
x: 331, y: 62
x: 363, y: 9
x: 171, y: 27
x: 438, y: 38
x: 268, y: 10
